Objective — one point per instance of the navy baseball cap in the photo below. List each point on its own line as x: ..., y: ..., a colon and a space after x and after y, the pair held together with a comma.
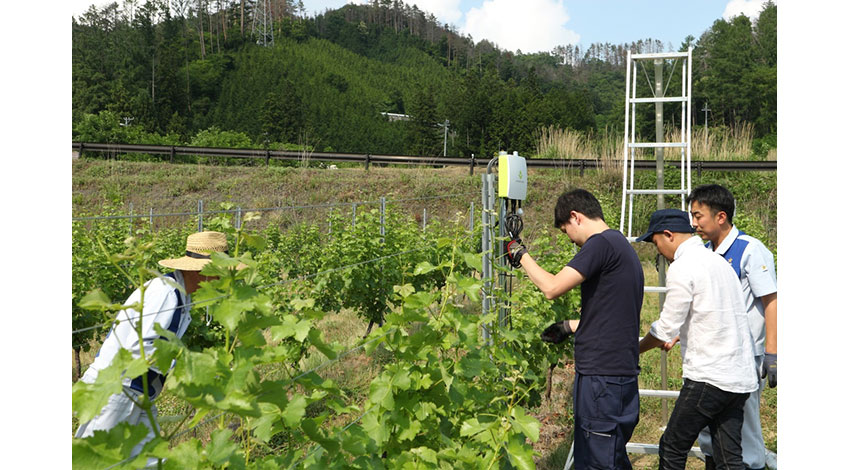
x: 674, y: 220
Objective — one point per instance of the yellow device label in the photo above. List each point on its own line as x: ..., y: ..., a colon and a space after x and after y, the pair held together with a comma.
x: 504, y: 175
x: 513, y: 181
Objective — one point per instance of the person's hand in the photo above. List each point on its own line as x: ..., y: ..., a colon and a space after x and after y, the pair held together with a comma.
x: 669, y: 345
x: 557, y: 332
x: 768, y: 369
x: 514, y: 249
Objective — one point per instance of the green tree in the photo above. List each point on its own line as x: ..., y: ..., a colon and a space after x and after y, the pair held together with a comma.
x: 423, y: 134
x: 282, y: 115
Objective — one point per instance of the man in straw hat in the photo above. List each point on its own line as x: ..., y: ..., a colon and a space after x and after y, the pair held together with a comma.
x: 704, y: 307
x: 164, y: 305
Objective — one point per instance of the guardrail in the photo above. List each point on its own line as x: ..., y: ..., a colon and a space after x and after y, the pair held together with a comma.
x: 580, y: 164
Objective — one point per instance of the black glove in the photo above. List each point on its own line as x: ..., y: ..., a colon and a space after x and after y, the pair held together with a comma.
x: 557, y: 332
x: 514, y: 249
x: 768, y: 369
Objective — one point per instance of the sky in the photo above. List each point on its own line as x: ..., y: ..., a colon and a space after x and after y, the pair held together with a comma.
x: 540, y: 25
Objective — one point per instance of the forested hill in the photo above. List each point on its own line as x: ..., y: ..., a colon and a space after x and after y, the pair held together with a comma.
x: 194, y: 74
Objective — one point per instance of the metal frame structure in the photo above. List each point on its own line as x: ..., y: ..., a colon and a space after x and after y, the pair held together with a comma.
x: 491, y: 251
x: 262, y: 23
x: 630, y: 143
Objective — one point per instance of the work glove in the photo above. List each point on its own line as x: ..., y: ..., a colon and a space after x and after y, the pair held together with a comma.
x: 514, y: 249
x: 768, y: 369
x: 557, y: 332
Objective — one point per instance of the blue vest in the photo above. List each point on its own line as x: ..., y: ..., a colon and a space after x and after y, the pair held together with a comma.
x: 735, y: 252
x: 155, y: 379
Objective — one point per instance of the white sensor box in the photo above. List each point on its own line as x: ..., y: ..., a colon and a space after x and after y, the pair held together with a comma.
x: 513, y: 177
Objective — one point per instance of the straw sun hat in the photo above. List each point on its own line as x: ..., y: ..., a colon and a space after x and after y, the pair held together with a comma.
x: 199, y: 246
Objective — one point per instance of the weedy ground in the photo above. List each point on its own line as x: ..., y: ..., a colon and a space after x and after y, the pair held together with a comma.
x: 113, y: 185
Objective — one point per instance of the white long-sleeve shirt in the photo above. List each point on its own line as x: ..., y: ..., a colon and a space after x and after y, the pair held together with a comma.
x: 704, y: 305
x: 164, y: 305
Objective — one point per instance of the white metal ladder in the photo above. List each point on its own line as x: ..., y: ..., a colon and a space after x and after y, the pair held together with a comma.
x: 630, y: 144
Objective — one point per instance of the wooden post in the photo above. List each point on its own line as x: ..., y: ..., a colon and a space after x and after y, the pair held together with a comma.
x: 383, y: 216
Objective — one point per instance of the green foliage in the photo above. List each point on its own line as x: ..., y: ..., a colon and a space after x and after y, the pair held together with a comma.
x: 215, y: 137
x: 282, y: 115
x: 328, y: 78
x: 106, y: 126
x: 736, y: 74
x: 762, y: 146
x: 448, y: 400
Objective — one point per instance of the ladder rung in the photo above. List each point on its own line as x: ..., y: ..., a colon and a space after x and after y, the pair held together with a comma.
x: 658, y: 144
x: 656, y: 191
x: 637, y: 448
x: 658, y: 393
x: 660, y: 55
x: 663, y: 99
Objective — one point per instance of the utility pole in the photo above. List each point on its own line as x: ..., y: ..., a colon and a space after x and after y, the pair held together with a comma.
x: 659, y: 129
x: 706, y: 109
x: 659, y: 178
x: 445, y: 135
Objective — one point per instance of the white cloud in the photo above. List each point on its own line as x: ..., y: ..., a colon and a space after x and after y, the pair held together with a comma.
x: 530, y: 26
x: 750, y: 8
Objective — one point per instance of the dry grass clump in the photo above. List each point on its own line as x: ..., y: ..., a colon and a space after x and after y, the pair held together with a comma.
x: 606, y: 146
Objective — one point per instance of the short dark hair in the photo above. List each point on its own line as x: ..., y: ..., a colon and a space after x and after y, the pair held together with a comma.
x: 579, y: 200
x: 715, y: 197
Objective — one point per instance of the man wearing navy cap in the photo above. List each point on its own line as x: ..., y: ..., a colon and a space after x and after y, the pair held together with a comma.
x: 704, y: 307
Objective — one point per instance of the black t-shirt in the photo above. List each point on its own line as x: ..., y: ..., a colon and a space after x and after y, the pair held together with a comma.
x: 606, y: 342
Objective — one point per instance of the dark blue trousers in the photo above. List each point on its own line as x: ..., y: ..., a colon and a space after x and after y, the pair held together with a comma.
x: 699, y: 405
x: 606, y: 410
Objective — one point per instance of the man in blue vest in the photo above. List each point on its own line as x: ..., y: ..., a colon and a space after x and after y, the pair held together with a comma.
x: 167, y: 303
x: 712, y: 207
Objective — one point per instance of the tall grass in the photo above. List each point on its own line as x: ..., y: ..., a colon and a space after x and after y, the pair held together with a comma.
x: 718, y: 143
x: 606, y: 145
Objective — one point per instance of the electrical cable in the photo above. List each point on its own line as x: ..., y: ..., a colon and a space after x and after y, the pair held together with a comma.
x: 513, y: 227
x: 513, y: 221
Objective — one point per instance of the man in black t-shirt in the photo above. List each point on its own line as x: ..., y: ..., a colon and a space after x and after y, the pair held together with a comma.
x: 606, y: 337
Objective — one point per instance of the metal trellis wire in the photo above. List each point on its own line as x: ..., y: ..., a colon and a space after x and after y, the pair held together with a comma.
x: 261, y: 209
x: 300, y: 278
